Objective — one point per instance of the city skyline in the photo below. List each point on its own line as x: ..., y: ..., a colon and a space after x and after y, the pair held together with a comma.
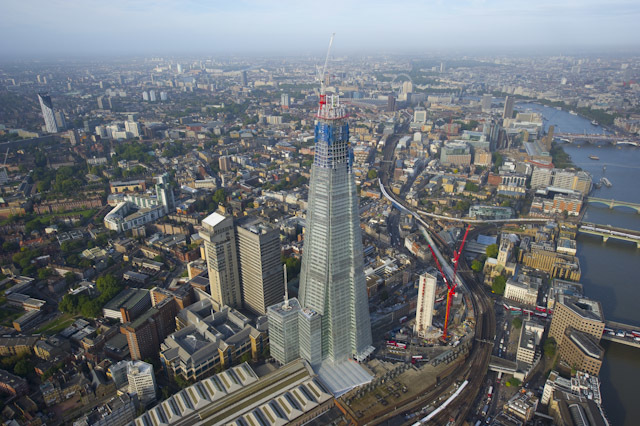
x: 63, y: 28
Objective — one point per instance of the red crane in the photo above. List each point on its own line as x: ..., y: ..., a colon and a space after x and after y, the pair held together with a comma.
x: 451, y: 287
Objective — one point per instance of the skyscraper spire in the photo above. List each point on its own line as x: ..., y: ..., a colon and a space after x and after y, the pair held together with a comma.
x: 286, y: 290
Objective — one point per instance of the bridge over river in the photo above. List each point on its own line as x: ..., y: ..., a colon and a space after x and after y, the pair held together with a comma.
x: 613, y: 203
x: 594, y: 137
x: 608, y: 231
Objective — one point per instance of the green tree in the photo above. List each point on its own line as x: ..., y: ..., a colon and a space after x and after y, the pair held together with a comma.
x: 23, y: 367
x: 470, y: 186
x: 372, y: 174
x: 492, y: 250
x: 476, y: 265
x: 517, y: 322
x: 549, y: 347
x: 499, y: 284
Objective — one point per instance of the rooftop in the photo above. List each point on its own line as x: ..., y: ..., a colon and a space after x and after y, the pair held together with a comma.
x: 213, y: 219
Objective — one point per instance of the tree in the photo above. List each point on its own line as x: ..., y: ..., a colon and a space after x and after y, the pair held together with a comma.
x: 513, y: 382
x: 476, y: 265
x: 549, y: 347
x: 372, y: 174
x: 23, y: 367
x: 492, y: 250
x: 499, y: 284
x: 470, y: 186
x: 517, y: 322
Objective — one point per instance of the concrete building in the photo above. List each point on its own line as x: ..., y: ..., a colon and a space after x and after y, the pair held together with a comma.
x: 222, y: 260
x: 522, y: 289
x: 577, y: 327
x: 260, y: 267
x: 420, y: 116
x: 138, y: 210
x: 522, y: 405
x: 579, y: 313
x: 207, y: 341
x: 581, y: 351
x: 127, y: 305
x: 142, y: 381
x: 530, y: 337
x: 455, y: 154
x: 426, y: 300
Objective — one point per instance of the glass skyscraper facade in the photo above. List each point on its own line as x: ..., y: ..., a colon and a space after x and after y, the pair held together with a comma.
x: 333, y: 312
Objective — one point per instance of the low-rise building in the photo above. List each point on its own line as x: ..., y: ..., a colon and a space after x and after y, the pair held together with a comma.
x: 522, y: 405
x: 207, y: 341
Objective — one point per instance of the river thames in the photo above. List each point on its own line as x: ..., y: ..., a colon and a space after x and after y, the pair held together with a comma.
x: 609, y: 271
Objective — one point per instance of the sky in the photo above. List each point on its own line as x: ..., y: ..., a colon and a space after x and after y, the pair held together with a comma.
x: 39, y: 28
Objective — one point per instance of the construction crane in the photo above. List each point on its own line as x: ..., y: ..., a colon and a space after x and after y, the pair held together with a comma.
x: 321, y: 77
x: 451, y: 287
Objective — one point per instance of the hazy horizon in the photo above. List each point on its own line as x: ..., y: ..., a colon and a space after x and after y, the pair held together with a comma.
x: 60, y: 28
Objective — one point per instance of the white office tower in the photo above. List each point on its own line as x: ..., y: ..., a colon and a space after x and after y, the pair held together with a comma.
x: 222, y: 260
x: 145, y: 96
x: 47, y: 112
x: 164, y: 193
x: 152, y: 95
x: 260, y: 265
x: 133, y: 128
x: 179, y: 68
x: 426, y: 300
x: 284, y: 100
x: 163, y: 96
x: 142, y: 381
x: 333, y: 301
x: 135, y: 377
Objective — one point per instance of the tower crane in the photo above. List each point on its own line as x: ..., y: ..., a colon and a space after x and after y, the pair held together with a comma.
x: 451, y: 287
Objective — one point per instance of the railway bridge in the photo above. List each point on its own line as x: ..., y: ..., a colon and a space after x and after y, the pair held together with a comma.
x: 608, y: 231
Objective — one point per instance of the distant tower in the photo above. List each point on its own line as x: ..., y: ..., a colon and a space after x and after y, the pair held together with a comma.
x: 260, y: 265
x: 284, y: 100
x: 391, y: 103
x: 164, y: 192
x: 244, y: 79
x: 163, y: 96
x: 145, y: 96
x: 508, y: 107
x: 47, y: 111
x: 442, y: 67
x: 222, y: 260
x: 549, y: 138
x: 486, y: 103
x: 179, y: 68
x: 426, y: 300
x: 152, y: 95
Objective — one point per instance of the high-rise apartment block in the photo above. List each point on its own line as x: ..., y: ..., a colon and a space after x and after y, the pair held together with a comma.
x: 260, y: 267
x: 284, y: 100
x: 222, y: 260
x: 46, y: 105
x: 426, y: 300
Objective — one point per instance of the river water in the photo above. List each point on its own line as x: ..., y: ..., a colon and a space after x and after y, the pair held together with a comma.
x: 608, y: 269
